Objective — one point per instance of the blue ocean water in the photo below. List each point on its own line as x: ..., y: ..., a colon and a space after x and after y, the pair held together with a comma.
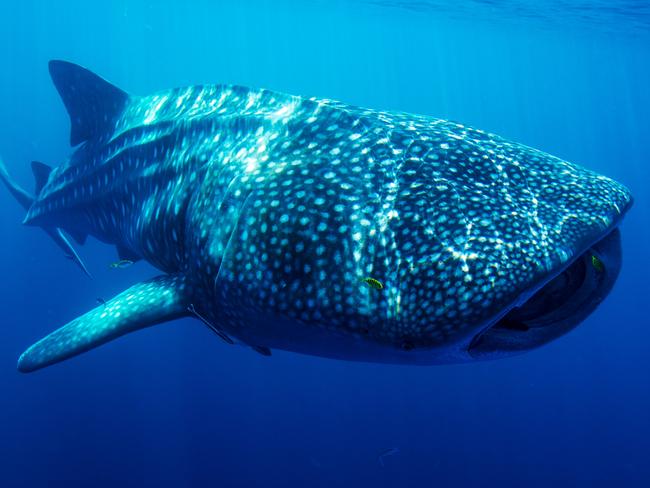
x: 174, y: 406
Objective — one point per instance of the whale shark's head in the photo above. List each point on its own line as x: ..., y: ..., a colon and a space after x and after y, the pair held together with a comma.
x: 455, y: 247
x: 502, y: 252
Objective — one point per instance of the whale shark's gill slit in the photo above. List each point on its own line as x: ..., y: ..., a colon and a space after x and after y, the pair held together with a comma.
x: 227, y: 203
x: 212, y: 327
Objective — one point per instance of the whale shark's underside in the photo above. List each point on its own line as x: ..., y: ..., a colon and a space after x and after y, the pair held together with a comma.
x: 309, y: 225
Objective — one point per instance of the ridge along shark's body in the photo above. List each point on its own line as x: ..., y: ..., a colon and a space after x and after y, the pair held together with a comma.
x: 318, y: 227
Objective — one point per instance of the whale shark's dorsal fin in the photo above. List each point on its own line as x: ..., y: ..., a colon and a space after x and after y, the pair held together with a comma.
x: 145, y: 304
x: 41, y: 175
x: 92, y: 102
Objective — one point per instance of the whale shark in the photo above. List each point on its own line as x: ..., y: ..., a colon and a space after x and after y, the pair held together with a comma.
x: 283, y: 222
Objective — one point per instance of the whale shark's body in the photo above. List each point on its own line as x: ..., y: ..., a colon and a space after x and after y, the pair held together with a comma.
x: 314, y: 226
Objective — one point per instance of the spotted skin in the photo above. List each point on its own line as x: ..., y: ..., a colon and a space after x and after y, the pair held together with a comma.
x: 275, y: 208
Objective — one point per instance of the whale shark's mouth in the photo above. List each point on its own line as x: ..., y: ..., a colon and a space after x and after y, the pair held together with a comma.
x: 559, y: 306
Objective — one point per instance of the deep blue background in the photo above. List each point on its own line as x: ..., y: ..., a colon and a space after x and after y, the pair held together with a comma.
x: 174, y: 406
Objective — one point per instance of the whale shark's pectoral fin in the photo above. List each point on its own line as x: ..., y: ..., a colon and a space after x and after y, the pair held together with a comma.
x: 145, y: 304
